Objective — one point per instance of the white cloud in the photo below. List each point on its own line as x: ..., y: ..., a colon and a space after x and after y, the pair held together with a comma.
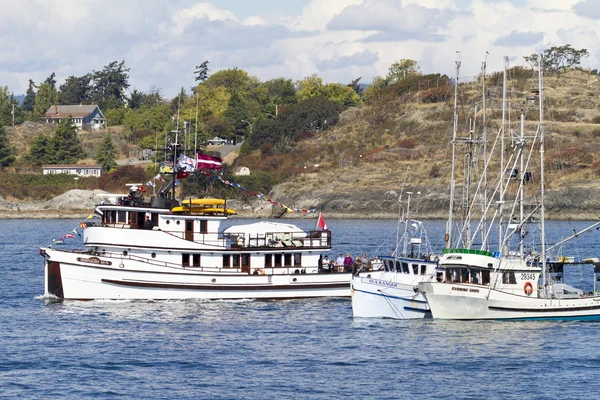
x: 338, y: 39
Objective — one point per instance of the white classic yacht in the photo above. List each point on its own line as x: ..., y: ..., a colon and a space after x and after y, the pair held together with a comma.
x: 164, y: 249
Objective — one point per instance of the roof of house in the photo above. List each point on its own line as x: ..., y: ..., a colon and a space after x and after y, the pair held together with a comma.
x: 76, y: 111
x: 72, y: 166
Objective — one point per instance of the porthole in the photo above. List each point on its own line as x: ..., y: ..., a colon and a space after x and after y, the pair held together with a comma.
x: 178, y: 222
x: 213, y: 280
x: 153, y: 255
x: 125, y: 253
x: 168, y: 222
x: 295, y: 280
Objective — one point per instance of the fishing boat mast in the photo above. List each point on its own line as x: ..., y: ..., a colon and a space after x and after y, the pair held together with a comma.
x: 542, y: 207
x: 448, y: 235
x: 484, y: 139
x: 503, y: 126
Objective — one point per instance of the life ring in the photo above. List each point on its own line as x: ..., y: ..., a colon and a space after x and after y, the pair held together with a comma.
x: 528, y: 288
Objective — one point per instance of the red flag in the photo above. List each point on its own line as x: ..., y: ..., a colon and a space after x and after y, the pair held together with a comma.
x: 209, y: 162
x: 182, y: 174
x: 321, y: 222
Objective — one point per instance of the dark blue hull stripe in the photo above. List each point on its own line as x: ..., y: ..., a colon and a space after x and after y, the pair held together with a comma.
x: 392, y: 297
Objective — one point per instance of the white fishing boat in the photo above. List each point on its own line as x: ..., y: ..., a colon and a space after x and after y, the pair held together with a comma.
x: 393, y: 293
x: 166, y: 249
x: 509, y: 284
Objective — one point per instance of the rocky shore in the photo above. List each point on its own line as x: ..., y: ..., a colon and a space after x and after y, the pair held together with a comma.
x: 78, y: 204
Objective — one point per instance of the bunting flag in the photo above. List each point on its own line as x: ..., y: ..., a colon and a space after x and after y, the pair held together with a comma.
x: 186, y: 164
x: 258, y: 195
x: 90, y: 216
x: 204, y: 161
x: 150, y: 183
x: 182, y: 175
x: 69, y: 236
x: 160, y: 178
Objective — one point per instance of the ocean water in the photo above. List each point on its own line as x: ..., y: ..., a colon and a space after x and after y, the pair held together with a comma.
x: 301, y: 349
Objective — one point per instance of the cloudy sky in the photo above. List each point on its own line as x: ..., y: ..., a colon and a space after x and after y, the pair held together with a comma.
x: 339, y: 40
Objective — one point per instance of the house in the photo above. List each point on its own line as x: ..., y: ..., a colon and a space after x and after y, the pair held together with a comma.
x: 242, y: 171
x: 83, y: 115
x: 217, y: 140
x: 73, y: 169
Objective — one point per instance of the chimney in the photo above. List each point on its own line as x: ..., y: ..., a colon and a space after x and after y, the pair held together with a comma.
x: 55, y: 109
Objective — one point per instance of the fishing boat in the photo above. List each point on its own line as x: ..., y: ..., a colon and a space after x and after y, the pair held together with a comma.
x: 154, y: 249
x: 508, y: 285
x: 393, y: 293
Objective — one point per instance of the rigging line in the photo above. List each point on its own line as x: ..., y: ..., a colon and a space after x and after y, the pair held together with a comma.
x: 392, y: 306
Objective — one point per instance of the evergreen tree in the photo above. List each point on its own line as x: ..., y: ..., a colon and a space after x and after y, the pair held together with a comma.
x: 112, y: 81
x: 136, y: 100
x: 29, y: 100
x: 201, y: 72
x: 46, y: 97
x: 106, y: 154
x: 75, y: 90
x: 7, y: 151
x: 67, y: 146
x: 41, y: 151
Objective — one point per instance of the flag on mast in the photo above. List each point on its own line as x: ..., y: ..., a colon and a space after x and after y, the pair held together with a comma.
x: 321, y: 222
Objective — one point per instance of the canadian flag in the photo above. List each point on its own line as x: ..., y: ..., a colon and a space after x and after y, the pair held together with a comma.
x: 321, y: 222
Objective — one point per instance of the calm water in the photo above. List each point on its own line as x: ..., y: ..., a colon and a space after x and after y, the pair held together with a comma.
x: 273, y: 350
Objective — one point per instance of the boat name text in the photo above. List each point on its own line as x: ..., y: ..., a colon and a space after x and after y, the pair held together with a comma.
x: 460, y: 289
x: 93, y: 260
x: 382, y: 283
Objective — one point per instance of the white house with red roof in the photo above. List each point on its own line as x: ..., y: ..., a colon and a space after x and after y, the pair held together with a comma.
x: 83, y: 115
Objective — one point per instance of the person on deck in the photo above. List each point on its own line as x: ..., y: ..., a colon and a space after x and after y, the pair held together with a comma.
x: 340, y: 261
x: 326, y: 265
x: 348, y: 262
x: 149, y: 224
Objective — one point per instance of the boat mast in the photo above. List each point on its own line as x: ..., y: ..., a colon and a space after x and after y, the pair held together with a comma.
x: 502, y: 156
x: 448, y: 235
x: 542, y: 208
x: 485, y: 166
x: 522, y: 185
x: 405, y: 248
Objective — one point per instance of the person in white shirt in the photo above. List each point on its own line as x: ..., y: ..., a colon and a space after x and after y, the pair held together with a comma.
x: 340, y: 260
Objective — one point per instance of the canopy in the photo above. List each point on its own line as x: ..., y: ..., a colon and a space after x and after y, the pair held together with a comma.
x: 265, y: 227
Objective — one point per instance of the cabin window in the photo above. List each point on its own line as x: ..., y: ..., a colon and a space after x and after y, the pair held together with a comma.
x: 268, y: 260
x: 415, y: 269
x: 277, y: 259
x: 297, y: 259
x: 464, y: 275
x: 508, y: 278
x: 476, y: 276
x: 423, y: 269
x: 122, y: 217
x: 485, y: 277
x: 185, y: 259
x: 203, y: 226
x: 405, y: 268
x: 287, y: 259
x: 153, y: 255
x: 226, y: 261
x: 235, y: 260
x: 389, y: 266
x: 196, y: 260
x: 398, y: 268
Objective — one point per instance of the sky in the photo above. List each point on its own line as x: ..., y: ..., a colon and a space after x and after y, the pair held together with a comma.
x: 162, y: 41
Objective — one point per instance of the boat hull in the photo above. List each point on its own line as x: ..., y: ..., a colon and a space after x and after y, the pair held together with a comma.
x: 77, y: 277
x: 378, y: 298
x: 474, y: 302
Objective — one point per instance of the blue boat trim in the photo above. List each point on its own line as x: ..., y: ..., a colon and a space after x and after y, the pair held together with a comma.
x: 545, y: 310
x: 391, y: 297
x: 417, y: 310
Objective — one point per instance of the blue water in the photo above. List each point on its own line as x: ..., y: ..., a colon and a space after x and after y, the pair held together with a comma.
x: 272, y: 350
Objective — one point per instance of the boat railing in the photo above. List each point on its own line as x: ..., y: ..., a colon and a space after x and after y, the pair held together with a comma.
x: 270, y: 240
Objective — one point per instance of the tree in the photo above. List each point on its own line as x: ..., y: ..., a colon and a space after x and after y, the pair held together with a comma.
x: 7, y: 102
x: 558, y: 58
x: 235, y: 80
x: 46, y: 97
x: 201, y: 72
x: 403, y: 69
x: 354, y: 85
x: 66, y: 145
x: 75, y: 90
x: 136, y: 99
x: 106, y: 153
x: 7, y: 151
x: 313, y: 86
x: 51, y: 80
x: 112, y: 81
x: 41, y: 150
x: 29, y: 100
